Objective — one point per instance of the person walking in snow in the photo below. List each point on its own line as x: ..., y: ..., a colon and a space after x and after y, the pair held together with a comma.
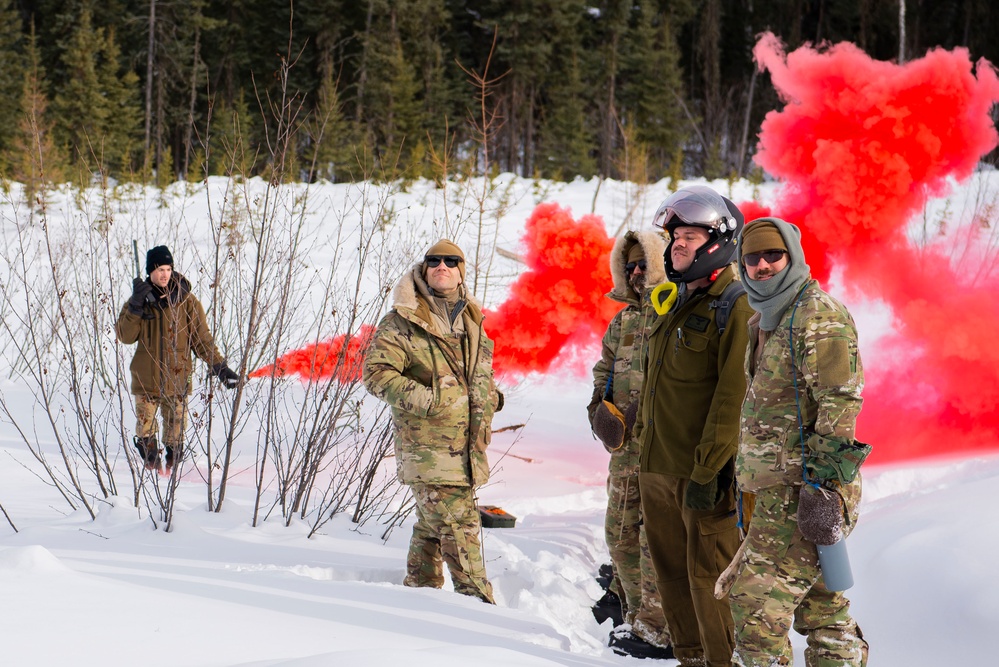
x: 168, y: 323
x: 432, y: 362
x: 688, y: 423
x: 617, y: 383
x: 803, y: 360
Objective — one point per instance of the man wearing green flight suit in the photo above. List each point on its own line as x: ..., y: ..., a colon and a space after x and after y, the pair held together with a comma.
x: 688, y: 423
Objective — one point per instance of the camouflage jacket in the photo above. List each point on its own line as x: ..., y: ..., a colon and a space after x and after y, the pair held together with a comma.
x: 624, y: 343
x: 694, y: 385
x: 442, y: 410
x: 829, y: 378
x: 167, y: 333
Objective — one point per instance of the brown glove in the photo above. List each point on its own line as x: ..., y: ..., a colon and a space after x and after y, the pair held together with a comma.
x: 609, y: 426
x: 820, y: 515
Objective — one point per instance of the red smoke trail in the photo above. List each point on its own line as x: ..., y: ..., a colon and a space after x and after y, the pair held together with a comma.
x: 339, y: 357
x: 862, y: 145
x: 558, y: 303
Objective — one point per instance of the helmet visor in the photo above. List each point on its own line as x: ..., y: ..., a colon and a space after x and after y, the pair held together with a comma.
x: 700, y: 207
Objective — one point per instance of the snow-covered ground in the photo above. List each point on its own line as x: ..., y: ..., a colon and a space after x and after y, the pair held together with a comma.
x: 217, y: 592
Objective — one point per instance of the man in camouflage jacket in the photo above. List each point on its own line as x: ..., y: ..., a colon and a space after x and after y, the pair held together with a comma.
x: 802, y: 355
x: 431, y: 361
x: 636, y: 268
x: 168, y: 323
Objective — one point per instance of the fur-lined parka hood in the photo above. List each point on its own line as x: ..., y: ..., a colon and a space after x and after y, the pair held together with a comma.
x: 411, y: 298
x: 654, y: 245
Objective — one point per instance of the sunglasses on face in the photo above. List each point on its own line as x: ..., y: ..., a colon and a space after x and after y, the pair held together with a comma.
x: 450, y: 261
x: 769, y: 256
x: 630, y: 266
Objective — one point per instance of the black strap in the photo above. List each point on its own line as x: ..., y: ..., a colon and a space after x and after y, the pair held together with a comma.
x: 724, y: 303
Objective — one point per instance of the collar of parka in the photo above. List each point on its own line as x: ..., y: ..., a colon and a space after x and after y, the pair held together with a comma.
x: 654, y: 245
x: 410, y: 299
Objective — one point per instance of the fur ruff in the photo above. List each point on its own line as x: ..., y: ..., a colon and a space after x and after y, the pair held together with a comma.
x: 654, y: 246
x: 408, y: 293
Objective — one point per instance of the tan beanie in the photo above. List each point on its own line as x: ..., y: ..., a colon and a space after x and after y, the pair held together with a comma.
x: 761, y: 235
x: 636, y: 253
x: 444, y: 248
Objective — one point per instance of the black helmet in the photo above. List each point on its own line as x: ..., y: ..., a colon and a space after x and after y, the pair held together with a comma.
x: 700, y: 206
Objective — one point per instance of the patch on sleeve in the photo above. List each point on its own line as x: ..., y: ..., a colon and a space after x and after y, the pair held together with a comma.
x: 834, y: 361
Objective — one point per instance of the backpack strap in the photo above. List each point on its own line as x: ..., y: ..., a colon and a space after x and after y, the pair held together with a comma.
x: 723, y: 304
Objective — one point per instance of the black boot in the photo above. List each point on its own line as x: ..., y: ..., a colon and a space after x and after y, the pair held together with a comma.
x: 173, y: 456
x: 149, y: 451
x: 605, y: 576
x: 625, y: 642
x: 609, y: 606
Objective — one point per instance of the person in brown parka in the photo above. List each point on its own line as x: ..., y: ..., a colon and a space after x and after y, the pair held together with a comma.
x: 168, y: 323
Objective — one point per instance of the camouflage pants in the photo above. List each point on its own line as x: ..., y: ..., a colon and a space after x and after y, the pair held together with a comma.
x: 629, y: 551
x: 780, y: 581
x: 173, y: 412
x: 447, y: 531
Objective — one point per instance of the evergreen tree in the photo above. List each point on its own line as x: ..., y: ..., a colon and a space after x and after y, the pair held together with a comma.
x: 328, y: 133
x: 11, y: 77
x: 392, y: 111
x: 122, y: 134
x: 567, y: 142
x: 98, y: 114
x: 38, y: 161
x: 652, y: 86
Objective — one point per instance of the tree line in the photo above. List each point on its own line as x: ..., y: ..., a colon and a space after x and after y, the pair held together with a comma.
x: 638, y: 89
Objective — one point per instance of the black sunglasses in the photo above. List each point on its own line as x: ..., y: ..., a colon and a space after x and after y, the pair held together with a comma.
x: 450, y: 261
x: 771, y: 257
x: 630, y: 266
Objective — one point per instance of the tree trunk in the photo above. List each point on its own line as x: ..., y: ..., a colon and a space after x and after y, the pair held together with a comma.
x: 901, y: 31
x: 188, y: 132
x: 150, y: 58
x: 362, y: 71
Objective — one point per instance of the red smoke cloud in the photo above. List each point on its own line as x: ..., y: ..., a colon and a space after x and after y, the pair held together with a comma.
x: 339, y: 357
x: 558, y: 303
x: 861, y: 146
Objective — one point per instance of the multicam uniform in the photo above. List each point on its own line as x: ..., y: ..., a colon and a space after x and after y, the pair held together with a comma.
x: 623, y: 356
x: 437, y: 377
x: 167, y: 332
x: 780, y: 577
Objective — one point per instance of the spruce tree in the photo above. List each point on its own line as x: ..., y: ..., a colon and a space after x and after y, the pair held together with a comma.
x: 392, y: 111
x: 38, y: 162
x: 123, y: 132
x: 652, y: 86
x: 566, y: 142
x: 98, y: 114
x: 11, y: 78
